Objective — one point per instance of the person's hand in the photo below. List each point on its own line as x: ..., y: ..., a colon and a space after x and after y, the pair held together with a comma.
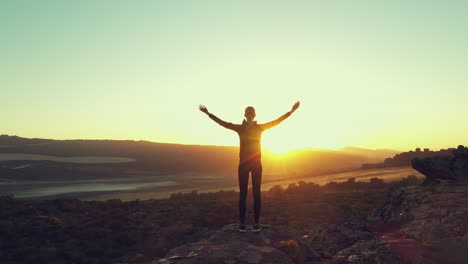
x: 295, y: 106
x: 203, y: 109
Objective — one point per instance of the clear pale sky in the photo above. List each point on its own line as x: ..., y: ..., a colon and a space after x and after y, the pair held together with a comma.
x: 372, y: 74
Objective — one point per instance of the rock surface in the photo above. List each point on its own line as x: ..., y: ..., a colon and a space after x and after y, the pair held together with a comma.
x: 444, y: 167
x: 349, y: 242
x: 425, y: 224
x: 227, y: 245
x: 417, y: 224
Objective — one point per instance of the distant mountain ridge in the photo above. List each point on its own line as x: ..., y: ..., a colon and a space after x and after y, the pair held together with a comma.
x: 11, y: 140
x: 372, y: 154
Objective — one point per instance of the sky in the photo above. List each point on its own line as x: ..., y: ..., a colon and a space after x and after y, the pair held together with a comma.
x: 371, y: 74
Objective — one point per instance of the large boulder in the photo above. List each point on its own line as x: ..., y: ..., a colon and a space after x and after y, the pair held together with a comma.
x: 228, y: 246
x: 451, y: 168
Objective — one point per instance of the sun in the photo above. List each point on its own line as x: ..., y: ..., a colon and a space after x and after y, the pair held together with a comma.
x: 282, y: 146
x: 279, y: 148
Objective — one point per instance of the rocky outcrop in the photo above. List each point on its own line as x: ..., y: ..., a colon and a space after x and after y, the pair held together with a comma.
x: 425, y: 224
x: 349, y: 242
x: 227, y: 245
x: 452, y: 168
x: 416, y: 224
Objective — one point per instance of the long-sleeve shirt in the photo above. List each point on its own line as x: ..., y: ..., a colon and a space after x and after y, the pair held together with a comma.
x: 249, y: 135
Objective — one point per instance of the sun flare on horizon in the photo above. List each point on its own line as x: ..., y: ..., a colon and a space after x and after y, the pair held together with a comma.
x: 284, y: 146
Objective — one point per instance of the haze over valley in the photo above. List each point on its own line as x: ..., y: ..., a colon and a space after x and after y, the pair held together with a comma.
x: 108, y: 169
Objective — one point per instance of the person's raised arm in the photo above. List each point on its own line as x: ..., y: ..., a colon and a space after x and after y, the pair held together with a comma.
x: 281, y: 118
x: 218, y: 120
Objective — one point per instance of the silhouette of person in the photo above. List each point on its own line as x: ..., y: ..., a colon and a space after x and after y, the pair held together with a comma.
x: 249, y: 157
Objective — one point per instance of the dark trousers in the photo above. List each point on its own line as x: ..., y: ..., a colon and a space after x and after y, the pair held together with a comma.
x: 255, y: 167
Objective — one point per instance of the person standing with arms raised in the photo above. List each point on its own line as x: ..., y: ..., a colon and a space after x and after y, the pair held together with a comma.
x: 250, y: 134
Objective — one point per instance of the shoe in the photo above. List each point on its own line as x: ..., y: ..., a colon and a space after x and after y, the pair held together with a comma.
x: 257, y: 227
x: 242, y: 228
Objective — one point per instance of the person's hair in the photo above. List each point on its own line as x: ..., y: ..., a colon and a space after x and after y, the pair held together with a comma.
x: 249, y: 107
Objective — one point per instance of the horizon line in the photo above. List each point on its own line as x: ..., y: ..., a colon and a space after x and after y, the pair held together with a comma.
x: 195, y: 144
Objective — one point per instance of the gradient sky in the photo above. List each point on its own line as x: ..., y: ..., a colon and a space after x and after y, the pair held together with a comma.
x: 373, y: 74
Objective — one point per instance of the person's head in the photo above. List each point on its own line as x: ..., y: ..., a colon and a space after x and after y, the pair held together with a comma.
x: 249, y: 113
